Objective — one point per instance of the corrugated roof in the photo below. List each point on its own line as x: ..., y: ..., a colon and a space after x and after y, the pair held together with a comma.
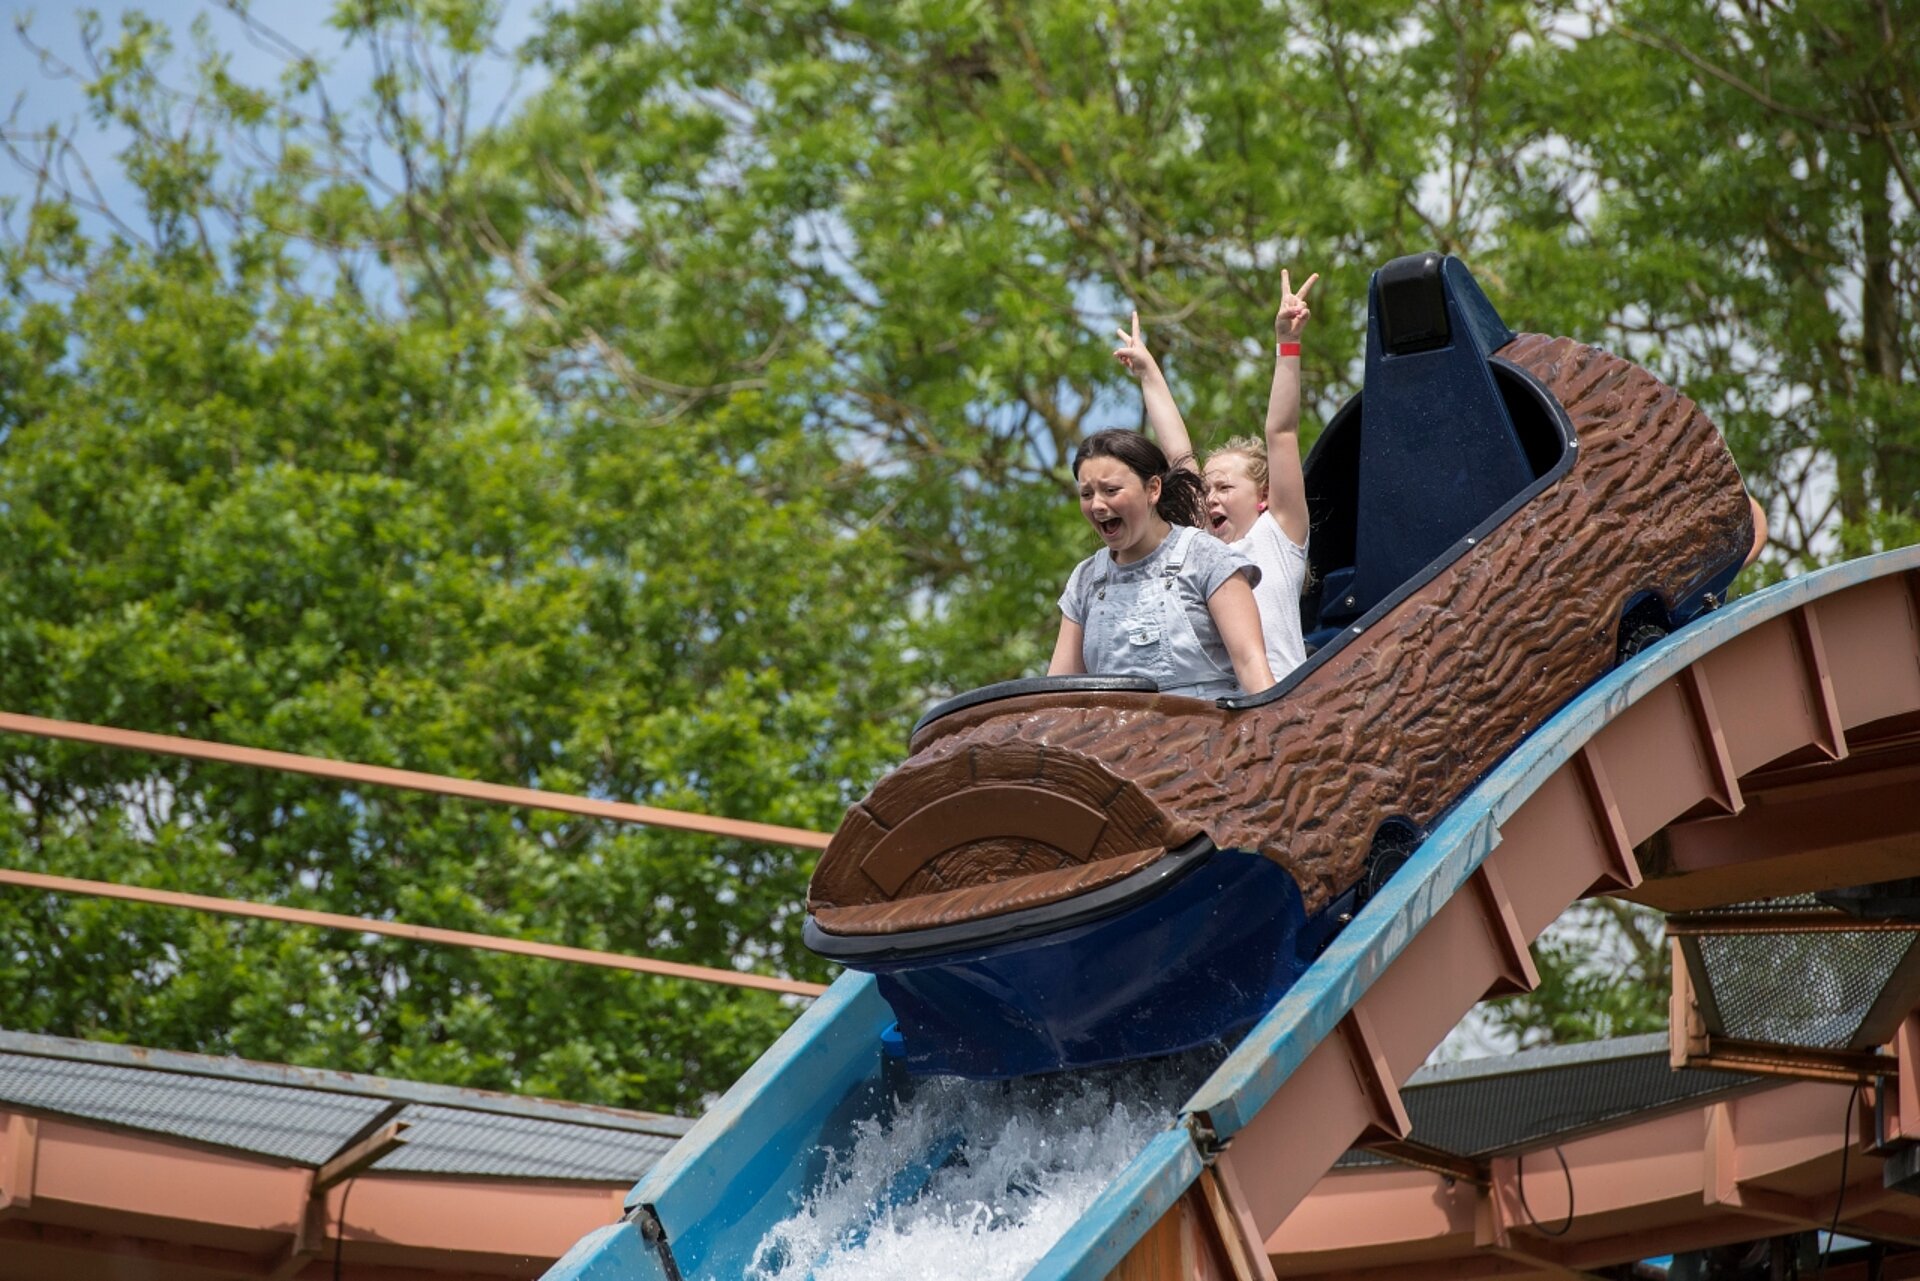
x: 306, y: 1117
x: 296, y: 1125
x: 452, y: 1141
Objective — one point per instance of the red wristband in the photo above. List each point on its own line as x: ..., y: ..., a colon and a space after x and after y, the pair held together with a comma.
x: 1287, y: 349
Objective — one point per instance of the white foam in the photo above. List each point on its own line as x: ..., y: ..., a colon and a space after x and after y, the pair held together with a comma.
x: 1030, y: 1157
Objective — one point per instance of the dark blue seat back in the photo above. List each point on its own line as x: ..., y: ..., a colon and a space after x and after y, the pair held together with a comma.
x: 1438, y: 452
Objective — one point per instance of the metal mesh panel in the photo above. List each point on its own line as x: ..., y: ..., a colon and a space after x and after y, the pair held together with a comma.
x: 1798, y: 989
x: 1503, y: 1113
x: 1792, y: 903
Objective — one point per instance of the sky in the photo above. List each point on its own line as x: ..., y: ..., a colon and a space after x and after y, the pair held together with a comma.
x: 32, y: 97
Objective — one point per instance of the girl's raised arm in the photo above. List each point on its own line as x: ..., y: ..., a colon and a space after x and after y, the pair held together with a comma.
x: 1286, y: 482
x: 1163, y: 416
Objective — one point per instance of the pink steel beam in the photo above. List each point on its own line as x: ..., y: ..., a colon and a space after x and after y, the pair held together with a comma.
x: 1760, y: 1164
x: 400, y: 929
x: 1798, y: 686
x: 83, y: 1199
x: 411, y: 780
x: 1788, y: 838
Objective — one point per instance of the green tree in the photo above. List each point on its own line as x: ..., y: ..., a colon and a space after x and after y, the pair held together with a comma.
x: 256, y: 495
x: 1751, y: 177
x: 675, y: 437
x: 956, y: 203
x: 1605, y: 971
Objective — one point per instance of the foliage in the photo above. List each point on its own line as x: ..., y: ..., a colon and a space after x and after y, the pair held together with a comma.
x: 674, y: 435
x: 1604, y: 972
x: 246, y: 509
x: 1757, y: 202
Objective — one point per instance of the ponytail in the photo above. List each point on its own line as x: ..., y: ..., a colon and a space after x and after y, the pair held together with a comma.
x: 1183, y: 498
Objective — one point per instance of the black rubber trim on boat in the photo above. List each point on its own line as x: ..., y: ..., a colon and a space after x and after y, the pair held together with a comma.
x: 1011, y: 927
x: 1037, y: 685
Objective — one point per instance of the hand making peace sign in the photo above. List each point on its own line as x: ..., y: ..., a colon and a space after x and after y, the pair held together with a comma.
x: 1291, y: 320
x: 1132, y: 351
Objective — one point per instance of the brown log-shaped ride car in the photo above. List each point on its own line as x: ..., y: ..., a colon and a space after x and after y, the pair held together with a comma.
x: 1014, y: 802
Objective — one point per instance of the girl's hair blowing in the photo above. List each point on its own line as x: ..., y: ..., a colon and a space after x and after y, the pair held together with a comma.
x: 1182, y: 495
x: 1254, y: 453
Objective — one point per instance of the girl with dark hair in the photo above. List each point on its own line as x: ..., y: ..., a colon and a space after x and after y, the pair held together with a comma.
x: 1159, y: 599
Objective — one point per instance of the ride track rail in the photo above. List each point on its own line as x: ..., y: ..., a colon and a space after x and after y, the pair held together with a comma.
x: 1810, y: 686
x: 1809, y: 671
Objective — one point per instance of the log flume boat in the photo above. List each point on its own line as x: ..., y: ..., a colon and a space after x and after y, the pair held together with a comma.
x: 1074, y: 871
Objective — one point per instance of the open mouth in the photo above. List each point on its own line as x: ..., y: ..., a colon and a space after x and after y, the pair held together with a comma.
x: 1219, y: 522
x: 1109, y: 528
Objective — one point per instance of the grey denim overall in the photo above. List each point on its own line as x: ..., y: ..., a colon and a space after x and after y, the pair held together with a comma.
x: 1138, y: 626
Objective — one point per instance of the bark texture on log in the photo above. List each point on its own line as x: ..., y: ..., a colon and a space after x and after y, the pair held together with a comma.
x: 1400, y: 721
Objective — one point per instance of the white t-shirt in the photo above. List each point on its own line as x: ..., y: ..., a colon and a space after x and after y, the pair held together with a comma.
x: 1283, y: 576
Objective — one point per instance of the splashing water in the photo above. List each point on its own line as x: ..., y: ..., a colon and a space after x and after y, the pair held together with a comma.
x: 970, y: 1178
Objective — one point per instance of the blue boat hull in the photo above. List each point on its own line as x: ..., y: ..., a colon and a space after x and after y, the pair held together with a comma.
x: 1187, y: 957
